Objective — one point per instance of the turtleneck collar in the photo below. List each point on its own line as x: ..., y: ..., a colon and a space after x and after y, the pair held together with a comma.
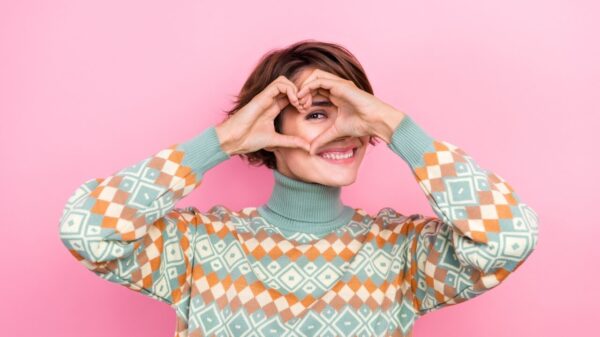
x: 301, y: 206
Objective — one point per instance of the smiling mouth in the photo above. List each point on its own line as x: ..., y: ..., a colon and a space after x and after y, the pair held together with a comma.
x: 336, y: 157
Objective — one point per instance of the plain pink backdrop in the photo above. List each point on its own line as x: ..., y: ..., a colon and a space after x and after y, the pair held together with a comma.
x: 89, y: 87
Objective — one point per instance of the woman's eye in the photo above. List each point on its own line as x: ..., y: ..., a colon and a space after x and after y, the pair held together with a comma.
x: 316, y: 113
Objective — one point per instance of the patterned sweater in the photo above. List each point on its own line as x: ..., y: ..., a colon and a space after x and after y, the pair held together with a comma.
x: 302, y: 264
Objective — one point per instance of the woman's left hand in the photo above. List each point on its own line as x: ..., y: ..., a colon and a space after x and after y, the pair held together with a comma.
x: 359, y: 112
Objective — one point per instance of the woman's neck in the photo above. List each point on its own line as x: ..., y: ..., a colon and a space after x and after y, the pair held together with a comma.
x: 299, y: 206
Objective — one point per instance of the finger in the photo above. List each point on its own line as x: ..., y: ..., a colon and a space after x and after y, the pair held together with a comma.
x: 304, y: 103
x: 282, y: 95
x: 314, y: 85
x: 279, y: 104
x: 280, y: 140
x: 324, y: 92
x: 308, y: 101
x: 293, y: 90
x: 325, y: 137
x: 309, y: 98
x: 319, y: 73
x: 280, y: 87
x: 303, y: 100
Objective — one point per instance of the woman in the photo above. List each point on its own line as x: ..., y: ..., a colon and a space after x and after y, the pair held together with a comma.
x: 303, y: 263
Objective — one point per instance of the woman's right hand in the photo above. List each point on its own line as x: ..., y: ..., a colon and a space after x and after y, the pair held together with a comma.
x: 253, y: 128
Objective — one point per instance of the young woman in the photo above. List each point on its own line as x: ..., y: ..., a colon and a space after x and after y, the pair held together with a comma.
x: 303, y: 263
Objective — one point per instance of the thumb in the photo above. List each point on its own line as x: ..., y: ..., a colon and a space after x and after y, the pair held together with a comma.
x: 291, y: 141
x: 323, y: 138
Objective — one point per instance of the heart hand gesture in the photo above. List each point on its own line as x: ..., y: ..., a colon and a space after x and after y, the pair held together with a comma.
x: 359, y: 112
x: 252, y: 128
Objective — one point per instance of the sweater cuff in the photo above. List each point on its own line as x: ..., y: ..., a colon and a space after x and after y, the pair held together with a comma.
x: 410, y: 142
x: 203, y: 151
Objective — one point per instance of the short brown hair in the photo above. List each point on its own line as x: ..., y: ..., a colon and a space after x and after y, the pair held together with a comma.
x: 288, y: 62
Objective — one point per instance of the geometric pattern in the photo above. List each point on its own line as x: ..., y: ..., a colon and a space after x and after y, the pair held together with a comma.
x: 483, y: 231
x: 232, y: 273
x: 125, y: 229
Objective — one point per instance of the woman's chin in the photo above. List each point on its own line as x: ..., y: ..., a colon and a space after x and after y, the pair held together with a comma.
x: 337, y: 174
x: 338, y: 178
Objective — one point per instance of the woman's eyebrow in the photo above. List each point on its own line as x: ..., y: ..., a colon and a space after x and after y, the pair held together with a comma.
x: 322, y: 103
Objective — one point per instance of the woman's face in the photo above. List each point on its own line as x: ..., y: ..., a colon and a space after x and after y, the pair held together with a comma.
x: 299, y: 164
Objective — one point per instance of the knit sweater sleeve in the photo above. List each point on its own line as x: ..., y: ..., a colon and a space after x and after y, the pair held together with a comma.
x: 125, y: 227
x: 482, y: 233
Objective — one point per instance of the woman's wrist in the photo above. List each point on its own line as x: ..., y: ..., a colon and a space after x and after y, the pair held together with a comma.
x: 387, y: 122
x: 225, y: 140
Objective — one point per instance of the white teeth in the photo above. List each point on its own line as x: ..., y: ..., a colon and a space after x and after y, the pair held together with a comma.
x: 338, y: 155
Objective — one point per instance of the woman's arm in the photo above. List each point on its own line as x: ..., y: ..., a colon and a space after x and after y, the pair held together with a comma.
x: 125, y: 228
x: 482, y: 233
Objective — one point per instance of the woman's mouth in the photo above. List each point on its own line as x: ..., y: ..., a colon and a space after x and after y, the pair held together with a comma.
x: 339, y: 157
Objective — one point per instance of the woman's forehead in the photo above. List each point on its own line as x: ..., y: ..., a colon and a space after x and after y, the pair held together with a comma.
x: 300, y: 76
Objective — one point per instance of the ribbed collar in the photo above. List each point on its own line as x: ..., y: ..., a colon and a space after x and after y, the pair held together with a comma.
x: 300, y: 206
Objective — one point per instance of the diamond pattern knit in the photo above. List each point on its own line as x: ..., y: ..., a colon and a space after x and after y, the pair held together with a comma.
x: 234, y: 273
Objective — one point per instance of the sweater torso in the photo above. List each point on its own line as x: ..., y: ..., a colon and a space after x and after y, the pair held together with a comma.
x: 250, y: 276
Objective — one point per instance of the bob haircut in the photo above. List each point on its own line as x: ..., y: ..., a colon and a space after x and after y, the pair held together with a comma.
x: 289, y: 62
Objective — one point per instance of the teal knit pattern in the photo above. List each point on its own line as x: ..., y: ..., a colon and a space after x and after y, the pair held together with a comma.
x: 303, y: 263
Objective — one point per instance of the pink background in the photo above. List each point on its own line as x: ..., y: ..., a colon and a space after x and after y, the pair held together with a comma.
x: 89, y: 87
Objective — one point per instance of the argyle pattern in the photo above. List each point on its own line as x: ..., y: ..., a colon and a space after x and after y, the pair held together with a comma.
x: 231, y: 273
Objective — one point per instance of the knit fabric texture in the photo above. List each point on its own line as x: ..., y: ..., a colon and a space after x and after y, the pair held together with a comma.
x: 302, y: 264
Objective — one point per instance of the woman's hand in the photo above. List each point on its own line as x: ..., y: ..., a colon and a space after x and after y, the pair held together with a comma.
x: 359, y: 112
x: 252, y: 127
